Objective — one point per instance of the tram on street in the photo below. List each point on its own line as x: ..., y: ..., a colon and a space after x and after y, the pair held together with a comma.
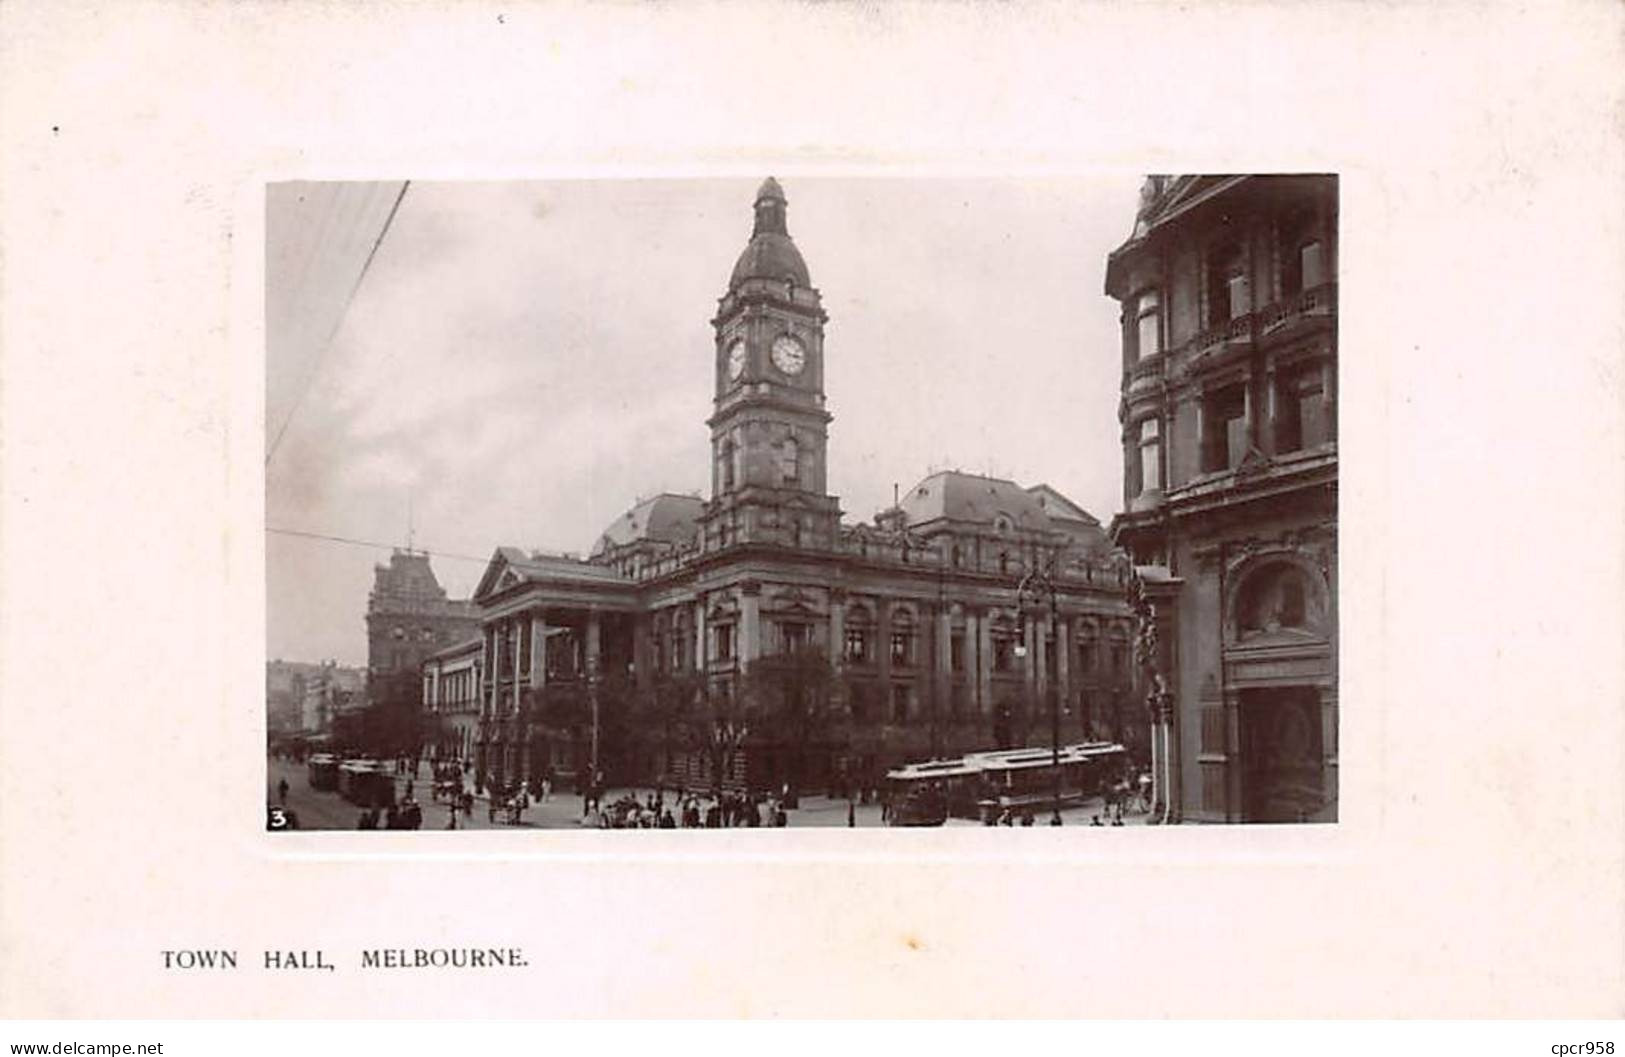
x: 322, y: 769
x: 983, y: 785
x: 367, y: 782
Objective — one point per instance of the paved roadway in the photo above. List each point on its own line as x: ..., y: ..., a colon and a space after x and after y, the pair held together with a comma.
x: 317, y: 809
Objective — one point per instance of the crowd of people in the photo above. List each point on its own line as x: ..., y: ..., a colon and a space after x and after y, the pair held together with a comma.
x: 685, y: 811
x: 408, y: 814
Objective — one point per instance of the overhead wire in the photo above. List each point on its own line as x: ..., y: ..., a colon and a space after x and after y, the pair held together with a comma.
x: 377, y: 544
x: 310, y: 376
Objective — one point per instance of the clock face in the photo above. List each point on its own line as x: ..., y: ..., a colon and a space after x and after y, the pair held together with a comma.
x: 736, y: 360
x: 788, y: 354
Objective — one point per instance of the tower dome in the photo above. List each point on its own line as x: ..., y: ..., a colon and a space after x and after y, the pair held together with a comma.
x: 770, y: 254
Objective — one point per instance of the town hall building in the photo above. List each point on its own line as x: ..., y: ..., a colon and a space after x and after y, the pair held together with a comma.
x: 914, y: 617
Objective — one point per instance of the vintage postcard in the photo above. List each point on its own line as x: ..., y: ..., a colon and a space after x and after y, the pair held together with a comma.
x: 830, y: 511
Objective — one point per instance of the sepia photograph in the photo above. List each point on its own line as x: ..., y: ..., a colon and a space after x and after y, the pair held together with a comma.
x: 837, y: 502
x: 439, y: 439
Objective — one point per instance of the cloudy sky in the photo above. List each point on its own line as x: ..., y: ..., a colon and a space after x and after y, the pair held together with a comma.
x: 522, y: 361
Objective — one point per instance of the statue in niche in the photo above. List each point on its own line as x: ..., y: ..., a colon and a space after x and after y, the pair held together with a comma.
x: 1276, y: 599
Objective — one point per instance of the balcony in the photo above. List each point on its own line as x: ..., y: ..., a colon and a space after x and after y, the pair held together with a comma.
x: 1231, y: 335
x: 1299, y: 313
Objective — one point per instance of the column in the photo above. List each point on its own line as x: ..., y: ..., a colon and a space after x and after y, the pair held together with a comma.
x: 1328, y: 399
x: 983, y: 637
x: 595, y: 631
x: 750, y: 623
x: 837, y: 640
x: 591, y: 659
x: 883, y: 654
x: 944, y: 668
x: 1235, y: 760
x: 1328, y: 746
x: 1249, y: 410
x: 538, y: 649
x: 515, y: 630
x: 642, y: 651
x: 494, y: 670
x: 1272, y: 408
x: 1063, y: 668
x: 699, y: 635
x: 1038, y: 628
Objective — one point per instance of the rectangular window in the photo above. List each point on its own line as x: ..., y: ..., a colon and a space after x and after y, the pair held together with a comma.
x: 1226, y: 285
x: 725, y: 642
x: 1003, y: 652
x: 794, y: 637
x: 1150, y: 456
x: 857, y: 645
x: 1148, y: 338
x: 1311, y: 265
x: 902, y: 648
x: 899, y: 704
x: 1224, y: 429
x: 956, y: 652
x: 1086, y: 657
x: 1300, y: 412
x: 1050, y: 660
x: 1236, y: 291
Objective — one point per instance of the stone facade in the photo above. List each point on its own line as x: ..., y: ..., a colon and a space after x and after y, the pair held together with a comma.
x: 409, y: 618
x: 1229, y: 346
x: 915, y: 614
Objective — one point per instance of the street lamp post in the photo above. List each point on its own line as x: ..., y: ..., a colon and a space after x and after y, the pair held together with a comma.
x: 1032, y: 585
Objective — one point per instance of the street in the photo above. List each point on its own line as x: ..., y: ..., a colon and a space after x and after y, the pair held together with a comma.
x: 323, y: 810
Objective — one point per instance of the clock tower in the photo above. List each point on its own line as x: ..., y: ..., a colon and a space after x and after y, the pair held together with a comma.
x: 769, y: 428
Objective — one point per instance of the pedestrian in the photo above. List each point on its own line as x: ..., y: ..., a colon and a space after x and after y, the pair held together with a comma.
x: 547, y: 788
x: 851, y: 814
x: 282, y: 792
x: 1055, y: 819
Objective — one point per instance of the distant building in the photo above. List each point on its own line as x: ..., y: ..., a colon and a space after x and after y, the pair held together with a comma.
x: 409, y: 618
x: 305, y: 698
x: 285, y: 695
x: 916, y: 612
x: 1229, y: 414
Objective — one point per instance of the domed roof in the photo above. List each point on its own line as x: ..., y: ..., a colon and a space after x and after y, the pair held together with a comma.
x: 770, y: 257
x: 770, y: 254
x: 667, y: 518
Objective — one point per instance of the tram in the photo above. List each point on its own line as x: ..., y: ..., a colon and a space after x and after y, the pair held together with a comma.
x: 367, y: 782
x: 322, y: 768
x: 983, y: 785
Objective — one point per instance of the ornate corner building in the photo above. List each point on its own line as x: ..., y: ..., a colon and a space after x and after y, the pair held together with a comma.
x: 409, y: 618
x: 1229, y: 311
x: 915, y: 613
